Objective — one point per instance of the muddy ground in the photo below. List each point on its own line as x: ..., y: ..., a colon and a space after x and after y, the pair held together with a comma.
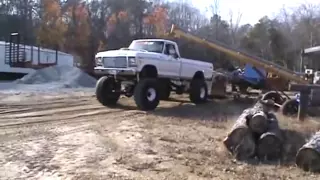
x: 71, y: 136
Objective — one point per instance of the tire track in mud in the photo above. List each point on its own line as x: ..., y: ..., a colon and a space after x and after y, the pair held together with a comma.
x: 23, y: 122
x: 56, y: 112
x: 53, y: 128
x: 48, y: 111
x: 22, y: 98
x: 5, y: 105
x: 40, y: 107
x: 41, y: 149
x: 59, y: 114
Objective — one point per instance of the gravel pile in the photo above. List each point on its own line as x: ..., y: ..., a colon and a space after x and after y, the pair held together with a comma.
x: 59, y: 76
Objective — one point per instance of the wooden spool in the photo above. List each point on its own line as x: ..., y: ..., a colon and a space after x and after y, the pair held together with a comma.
x: 240, y: 140
x: 308, y: 156
x: 258, y: 122
x: 270, y: 143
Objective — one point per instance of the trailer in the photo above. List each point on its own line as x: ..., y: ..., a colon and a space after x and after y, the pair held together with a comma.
x: 19, y: 59
x: 241, y: 56
x: 280, y: 73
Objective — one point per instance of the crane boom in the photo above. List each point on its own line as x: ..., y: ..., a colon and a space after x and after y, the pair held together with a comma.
x: 241, y: 56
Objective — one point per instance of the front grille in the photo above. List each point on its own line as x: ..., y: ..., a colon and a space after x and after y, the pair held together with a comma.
x: 115, y: 62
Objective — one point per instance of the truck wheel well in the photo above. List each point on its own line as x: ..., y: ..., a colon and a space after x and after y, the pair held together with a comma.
x: 198, y: 75
x: 149, y: 71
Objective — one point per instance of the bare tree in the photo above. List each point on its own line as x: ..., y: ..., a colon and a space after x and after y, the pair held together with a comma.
x: 234, y: 27
x: 306, y: 18
x: 215, y: 12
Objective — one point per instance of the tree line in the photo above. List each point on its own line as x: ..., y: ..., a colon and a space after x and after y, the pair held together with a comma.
x: 83, y: 28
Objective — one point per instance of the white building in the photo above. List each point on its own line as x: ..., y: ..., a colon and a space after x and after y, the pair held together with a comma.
x: 35, y: 59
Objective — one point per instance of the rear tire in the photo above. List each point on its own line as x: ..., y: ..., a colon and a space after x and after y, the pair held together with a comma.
x: 198, y: 92
x: 107, y: 91
x: 146, y: 94
x: 164, y: 89
x: 290, y: 107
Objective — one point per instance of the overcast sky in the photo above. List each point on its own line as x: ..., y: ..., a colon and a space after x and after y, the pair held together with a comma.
x: 251, y: 10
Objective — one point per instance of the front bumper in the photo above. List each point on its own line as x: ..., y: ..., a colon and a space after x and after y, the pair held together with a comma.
x: 115, y: 71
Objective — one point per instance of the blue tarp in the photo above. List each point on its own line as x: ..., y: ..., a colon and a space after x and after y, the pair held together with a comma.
x: 250, y: 74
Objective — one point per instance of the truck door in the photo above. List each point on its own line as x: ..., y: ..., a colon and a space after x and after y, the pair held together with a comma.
x: 173, y: 61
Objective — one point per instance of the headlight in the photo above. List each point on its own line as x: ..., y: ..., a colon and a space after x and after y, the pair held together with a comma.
x: 99, y: 61
x: 132, y: 62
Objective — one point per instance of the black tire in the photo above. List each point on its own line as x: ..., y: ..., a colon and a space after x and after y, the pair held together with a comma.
x: 164, y: 89
x: 276, y: 97
x: 144, y: 89
x: 198, y: 92
x: 107, y: 91
x: 290, y: 107
x: 165, y: 93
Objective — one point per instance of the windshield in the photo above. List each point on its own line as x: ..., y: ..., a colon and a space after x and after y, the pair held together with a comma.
x: 151, y: 46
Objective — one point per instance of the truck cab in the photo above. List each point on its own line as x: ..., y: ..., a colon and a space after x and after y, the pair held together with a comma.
x: 167, y: 51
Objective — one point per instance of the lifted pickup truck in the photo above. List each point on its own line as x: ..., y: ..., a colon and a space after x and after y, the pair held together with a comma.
x: 149, y: 69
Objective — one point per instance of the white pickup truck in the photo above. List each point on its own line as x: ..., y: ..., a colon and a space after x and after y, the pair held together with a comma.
x: 149, y: 69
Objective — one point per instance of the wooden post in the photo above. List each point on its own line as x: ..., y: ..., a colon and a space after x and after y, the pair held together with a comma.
x: 303, y: 106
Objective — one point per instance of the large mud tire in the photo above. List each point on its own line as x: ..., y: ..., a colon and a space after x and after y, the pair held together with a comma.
x: 198, y: 92
x: 164, y: 89
x: 107, y: 91
x: 290, y: 108
x: 146, y: 94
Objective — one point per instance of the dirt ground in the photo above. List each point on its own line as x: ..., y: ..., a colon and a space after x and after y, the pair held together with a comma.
x: 71, y: 136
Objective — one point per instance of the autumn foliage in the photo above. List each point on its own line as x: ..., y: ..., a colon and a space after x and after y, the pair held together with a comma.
x: 79, y: 24
x: 57, y: 25
x: 159, y: 19
x: 69, y: 26
x: 116, y: 18
x: 72, y: 24
x: 79, y: 32
x: 52, y: 28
